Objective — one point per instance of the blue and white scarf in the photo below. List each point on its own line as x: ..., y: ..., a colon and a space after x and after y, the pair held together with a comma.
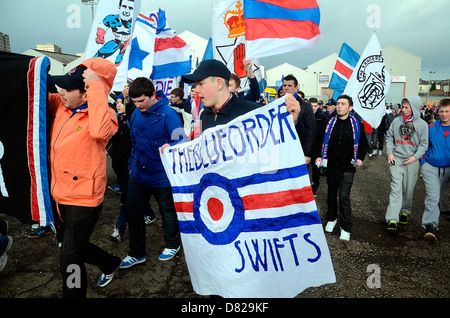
x: 326, y: 139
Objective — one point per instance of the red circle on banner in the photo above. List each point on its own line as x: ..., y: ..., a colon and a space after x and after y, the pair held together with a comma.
x: 215, y: 209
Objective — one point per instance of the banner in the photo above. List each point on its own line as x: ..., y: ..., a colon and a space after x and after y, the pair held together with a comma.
x: 24, y: 179
x: 110, y: 35
x: 343, y: 69
x: 275, y: 27
x: 173, y: 56
x: 247, y: 216
x: 369, y: 84
x: 228, y: 39
x: 142, y: 46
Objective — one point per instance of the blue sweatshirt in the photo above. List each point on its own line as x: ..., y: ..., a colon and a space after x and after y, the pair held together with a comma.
x: 438, y: 153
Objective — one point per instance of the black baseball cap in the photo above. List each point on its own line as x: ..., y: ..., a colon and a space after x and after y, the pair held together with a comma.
x: 72, y: 80
x: 206, y: 69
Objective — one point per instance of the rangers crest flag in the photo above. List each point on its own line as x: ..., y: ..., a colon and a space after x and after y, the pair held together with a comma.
x: 24, y: 180
x: 369, y: 84
x: 247, y: 216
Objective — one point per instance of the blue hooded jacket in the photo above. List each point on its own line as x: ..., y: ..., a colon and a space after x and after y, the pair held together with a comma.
x: 438, y: 152
x: 158, y: 125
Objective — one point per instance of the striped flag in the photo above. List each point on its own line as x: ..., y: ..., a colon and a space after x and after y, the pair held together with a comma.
x: 247, y: 216
x: 142, y: 46
x: 24, y: 182
x: 173, y: 56
x: 345, y: 64
x: 275, y: 27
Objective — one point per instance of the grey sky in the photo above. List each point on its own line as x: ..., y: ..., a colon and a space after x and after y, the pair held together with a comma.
x: 417, y: 26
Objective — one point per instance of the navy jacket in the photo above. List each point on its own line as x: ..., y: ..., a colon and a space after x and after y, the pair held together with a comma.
x: 149, y: 131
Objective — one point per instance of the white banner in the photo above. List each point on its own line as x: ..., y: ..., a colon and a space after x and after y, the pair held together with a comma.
x: 110, y: 35
x: 228, y: 37
x: 248, y: 220
x: 369, y: 84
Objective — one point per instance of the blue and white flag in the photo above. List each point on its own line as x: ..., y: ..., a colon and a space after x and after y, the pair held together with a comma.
x: 142, y: 46
x: 345, y: 64
x: 369, y: 84
x: 110, y: 35
x: 247, y: 216
x: 173, y: 56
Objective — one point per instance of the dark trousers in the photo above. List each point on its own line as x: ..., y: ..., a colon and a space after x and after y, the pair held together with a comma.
x: 315, y: 175
x: 339, y: 186
x: 138, y: 198
x: 77, y: 226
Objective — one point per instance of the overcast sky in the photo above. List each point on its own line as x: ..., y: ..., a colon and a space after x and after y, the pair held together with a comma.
x: 420, y: 27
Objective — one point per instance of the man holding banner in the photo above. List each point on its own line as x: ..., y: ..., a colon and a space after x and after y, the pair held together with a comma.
x: 247, y: 216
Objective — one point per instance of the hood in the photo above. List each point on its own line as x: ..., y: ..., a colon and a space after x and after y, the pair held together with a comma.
x: 415, y: 102
x: 105, y: 69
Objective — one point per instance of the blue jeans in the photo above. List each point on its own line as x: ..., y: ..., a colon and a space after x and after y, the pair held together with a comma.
x: 121, y: 224
x: 138, y: 198
x: 77, y: 226
x: 340, y: 184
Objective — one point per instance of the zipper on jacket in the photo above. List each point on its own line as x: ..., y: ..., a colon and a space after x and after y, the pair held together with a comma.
x: 54, y: 154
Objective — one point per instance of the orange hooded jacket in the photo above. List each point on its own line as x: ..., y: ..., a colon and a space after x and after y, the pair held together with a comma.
x: 78, y: 141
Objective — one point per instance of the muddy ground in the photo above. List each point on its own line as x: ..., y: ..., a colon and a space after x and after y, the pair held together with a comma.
x: 410, y: 267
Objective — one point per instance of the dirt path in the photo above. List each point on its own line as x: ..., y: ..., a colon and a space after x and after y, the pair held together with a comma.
x: 409, y: 266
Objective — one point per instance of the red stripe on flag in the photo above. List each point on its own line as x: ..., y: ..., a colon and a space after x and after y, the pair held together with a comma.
x: 344, y: 70
x: 278, y: 199
x: 292, y: 4
x: 30, y: 149
x: 169, y: 43
x: 263, y: 201
x: 278, y: 28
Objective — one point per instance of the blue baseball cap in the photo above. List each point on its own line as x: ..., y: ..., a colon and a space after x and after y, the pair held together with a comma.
x: 206, y: 69
x: 72, y: 80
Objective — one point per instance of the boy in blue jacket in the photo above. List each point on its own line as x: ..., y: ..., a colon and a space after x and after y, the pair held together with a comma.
x: 154, y: 125
x: 436, y: 168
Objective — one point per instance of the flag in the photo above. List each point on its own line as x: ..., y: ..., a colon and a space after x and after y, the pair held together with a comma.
x: 369, y: 84
x: 209, y: 54
x: 228, y: 38
x: 140, y: 62
x: 173, y: 56
x: 196, y: 111
x: 247, y: 216
x: 345, y: 64
x: 24, y: 177
x: 275, y: 27
x: 110, y: 35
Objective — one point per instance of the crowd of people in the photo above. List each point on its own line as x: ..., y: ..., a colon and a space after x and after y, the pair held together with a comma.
x: 144, y: 122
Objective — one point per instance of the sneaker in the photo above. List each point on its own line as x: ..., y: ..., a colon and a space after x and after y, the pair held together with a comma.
x: 430, y: 234
x: 403, y: 219
x: 330, y: 226
x: 115, y: 237
x: 168, y: 253
x: 149, y: 219
x: 131, y: 261
x: 380, y: 152
x: 392, y: 226
x: 40, y: 231
x: 345, y: 236
x: 115, y: 189
x: 4, y: 256
x: 105, y: 279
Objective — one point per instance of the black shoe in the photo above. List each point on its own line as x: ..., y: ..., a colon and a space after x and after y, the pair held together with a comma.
x: 403, y: 218
x: 430, y: 233
x: 392, y: 226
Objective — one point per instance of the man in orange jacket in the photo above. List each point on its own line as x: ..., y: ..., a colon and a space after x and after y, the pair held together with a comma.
x: 82, y: 124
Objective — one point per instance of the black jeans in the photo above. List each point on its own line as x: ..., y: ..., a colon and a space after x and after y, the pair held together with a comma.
x: 340, y: 184
x: 138, y: 198
x: 77, y: 226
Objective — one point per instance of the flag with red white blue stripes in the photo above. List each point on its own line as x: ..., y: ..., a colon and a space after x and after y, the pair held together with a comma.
x: 275, y: 27
x: 345, y: 64
x: 248, y: 219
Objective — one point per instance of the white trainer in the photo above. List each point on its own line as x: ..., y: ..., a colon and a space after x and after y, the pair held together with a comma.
x: 345, y: 236
x: 330, y: 226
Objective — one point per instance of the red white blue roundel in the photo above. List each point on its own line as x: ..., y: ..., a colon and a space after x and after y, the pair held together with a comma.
x: 218, y: 209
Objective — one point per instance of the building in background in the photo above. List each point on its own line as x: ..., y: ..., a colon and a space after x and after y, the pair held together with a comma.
x: 4, y: 42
